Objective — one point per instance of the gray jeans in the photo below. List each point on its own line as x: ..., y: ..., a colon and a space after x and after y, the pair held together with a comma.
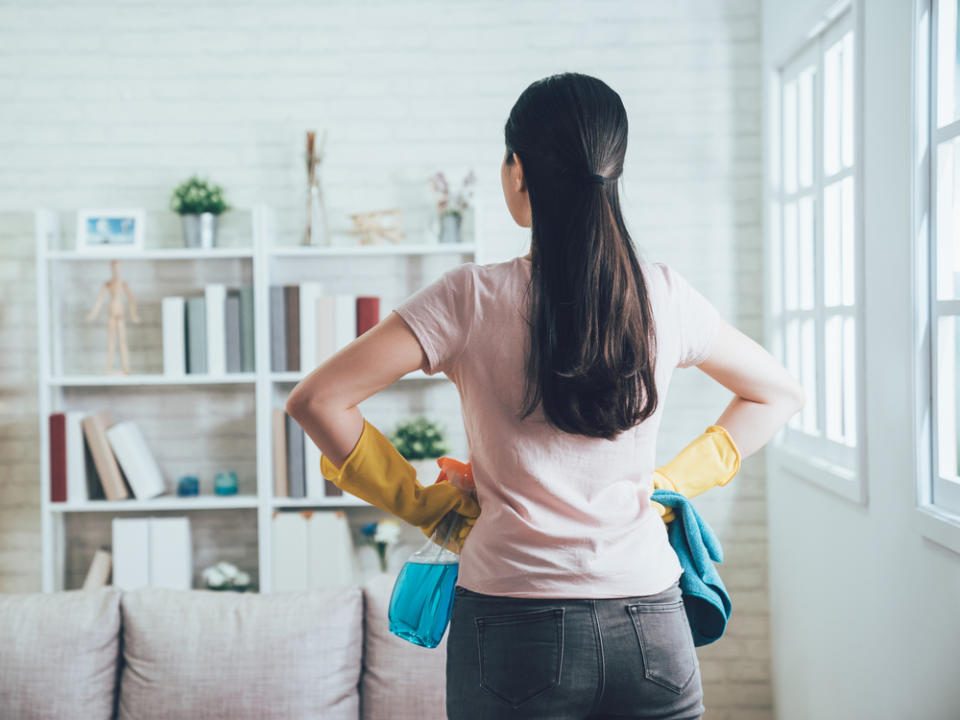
x: 572, y: 658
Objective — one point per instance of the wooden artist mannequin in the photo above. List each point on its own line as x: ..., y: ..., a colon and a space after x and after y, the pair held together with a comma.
x: 116, y: 327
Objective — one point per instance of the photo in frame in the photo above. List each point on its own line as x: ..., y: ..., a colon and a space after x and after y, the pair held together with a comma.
x: 113, y: 230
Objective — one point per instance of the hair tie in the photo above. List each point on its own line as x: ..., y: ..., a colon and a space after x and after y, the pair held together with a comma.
x: 595, y: 179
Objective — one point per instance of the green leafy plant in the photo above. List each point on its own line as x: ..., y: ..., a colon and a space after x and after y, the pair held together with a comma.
x: 195, y: 196
x: 419, y: 439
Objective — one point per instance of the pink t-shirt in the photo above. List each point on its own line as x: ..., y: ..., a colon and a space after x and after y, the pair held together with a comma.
x: 562, y: 515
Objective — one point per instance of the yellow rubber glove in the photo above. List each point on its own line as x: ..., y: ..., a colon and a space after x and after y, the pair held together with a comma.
x: 709, y: 461
x: 375, y: 471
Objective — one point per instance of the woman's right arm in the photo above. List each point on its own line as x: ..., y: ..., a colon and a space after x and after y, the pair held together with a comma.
x: 766, y: 395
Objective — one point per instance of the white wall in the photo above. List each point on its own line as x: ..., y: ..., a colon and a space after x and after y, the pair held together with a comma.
x: 112, y: 104
x: 863, y: 607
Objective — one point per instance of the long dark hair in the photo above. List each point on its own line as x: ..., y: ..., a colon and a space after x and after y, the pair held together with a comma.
x: 592, y: 348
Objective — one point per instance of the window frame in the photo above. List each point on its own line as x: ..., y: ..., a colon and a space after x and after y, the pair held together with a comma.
x: 938, y: 521
x: 823, y: 461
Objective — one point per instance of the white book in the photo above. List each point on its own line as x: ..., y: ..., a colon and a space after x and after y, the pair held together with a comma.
x: 76, y: 460
x: 329, y: 550
x: 216, y: 301
x: 309, y: 292
x: 99, y: 571
x: 290, y: 570
x: 325, y: 340
x: 137, y: 462
x: 171, y: 558
x: 131, y: 553
x: 174, y: 336
x: 345, y: 319
x: 311, y: 458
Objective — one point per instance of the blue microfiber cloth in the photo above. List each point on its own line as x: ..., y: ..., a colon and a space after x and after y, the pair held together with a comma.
x: 704, y: 596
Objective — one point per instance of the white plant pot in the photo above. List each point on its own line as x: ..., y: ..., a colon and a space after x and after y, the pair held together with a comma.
x: 427, y: 470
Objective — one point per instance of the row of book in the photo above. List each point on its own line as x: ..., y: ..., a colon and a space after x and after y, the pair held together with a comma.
x: 308, y: 326
x: 94, y: 458
x: 211, y: 333
x: 312, y: 549
x: 296, y: 462
x: 152, y: 551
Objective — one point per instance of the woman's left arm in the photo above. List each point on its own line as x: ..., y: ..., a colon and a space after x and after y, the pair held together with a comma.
x: 325, y: 402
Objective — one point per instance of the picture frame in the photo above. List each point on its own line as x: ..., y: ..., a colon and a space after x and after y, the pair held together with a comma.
x: 112, y: 230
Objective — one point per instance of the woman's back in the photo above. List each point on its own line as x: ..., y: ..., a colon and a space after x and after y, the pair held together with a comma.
x: 563, y: 515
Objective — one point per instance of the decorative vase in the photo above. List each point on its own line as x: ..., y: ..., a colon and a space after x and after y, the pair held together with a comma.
x: 199, y: 230
x: 225, y: 483
x: 450, y: 227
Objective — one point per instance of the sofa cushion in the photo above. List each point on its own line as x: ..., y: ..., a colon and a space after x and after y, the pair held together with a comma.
x: 58, y: 654
x: 206, y: 654
x: 401, y: 680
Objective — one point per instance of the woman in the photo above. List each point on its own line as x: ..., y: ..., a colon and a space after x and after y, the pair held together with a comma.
x: 568, y: 602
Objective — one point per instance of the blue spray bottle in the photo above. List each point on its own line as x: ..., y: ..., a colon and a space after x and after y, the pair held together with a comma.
x: 422, y: 598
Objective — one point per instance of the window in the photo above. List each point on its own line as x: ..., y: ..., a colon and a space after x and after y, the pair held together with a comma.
x: 817, y: 249
x: 938, y: 224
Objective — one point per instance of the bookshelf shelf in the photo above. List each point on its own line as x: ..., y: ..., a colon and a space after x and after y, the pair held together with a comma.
x: 198, y: 502
x: 263, y: 264
x: 347, y: 501
x: 154, y: 379
x: 295, y: 377
x: 299, y: 251
x: 153, y: 254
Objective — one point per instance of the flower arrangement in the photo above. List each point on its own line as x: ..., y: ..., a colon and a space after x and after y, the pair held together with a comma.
x: 226, y: 576
x: 195, y: 196
x: 381, y: 535
x: 449, y: 204
x: 419, y: 439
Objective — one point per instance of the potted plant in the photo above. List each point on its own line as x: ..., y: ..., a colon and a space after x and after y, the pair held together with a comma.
x: 199, y: 204
x: 452, y: 207
x: 421, y: 442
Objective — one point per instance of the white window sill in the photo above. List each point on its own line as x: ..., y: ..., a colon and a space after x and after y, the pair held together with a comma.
x: 937, y: 525
x: 838, y: 479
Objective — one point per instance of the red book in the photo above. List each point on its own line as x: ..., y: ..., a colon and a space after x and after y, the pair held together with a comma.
x: 368, y: 312
x: 58, y: 457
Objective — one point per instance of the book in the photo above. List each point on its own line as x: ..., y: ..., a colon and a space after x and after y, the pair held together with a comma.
x: 325, y: 335
x: 215, y: 295
x: 247, y: 354
x: 311, y: 461
x: 345, y: 320
x: 290, y: 569
x: 76, y: 458
x: 309, y: 292
x: 232, y: 331
x: 173, y: 310
x: 296, y: 478
x: 95, y: 431
x: 280, y: 487
x: 57, y: 423
x: 368, y: 312
x: 137, y: 462
x: 196, y: 335
x: 99, y: 571
x: 130, y: 548
x: 291, y: 313
x: 171, y: 562
x: 278, y: 329
x: 330, y: 550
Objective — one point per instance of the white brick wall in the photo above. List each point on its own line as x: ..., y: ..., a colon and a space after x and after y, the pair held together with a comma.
x: 112, y: 104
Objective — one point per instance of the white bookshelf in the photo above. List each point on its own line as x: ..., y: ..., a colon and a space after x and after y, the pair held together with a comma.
x: 266, y: 263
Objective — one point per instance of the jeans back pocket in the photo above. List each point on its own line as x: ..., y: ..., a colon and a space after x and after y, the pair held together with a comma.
x: 666, y: 643
x: 521, y: 653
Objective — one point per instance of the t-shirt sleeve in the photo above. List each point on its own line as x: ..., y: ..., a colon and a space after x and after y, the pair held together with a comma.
x: 696, y: 319
x: 441, y: 315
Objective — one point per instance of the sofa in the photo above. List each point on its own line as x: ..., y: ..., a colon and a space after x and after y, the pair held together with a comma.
x: 157, y: 653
